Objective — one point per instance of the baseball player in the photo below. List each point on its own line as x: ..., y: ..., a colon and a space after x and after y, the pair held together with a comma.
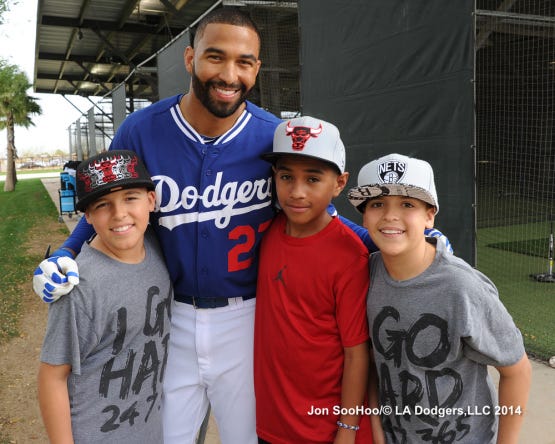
x: 213, y: 205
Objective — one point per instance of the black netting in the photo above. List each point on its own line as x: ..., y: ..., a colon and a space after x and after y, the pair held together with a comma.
x: 515, y: 170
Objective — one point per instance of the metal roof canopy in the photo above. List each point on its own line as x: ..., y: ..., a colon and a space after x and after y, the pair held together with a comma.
x: 87, y: 48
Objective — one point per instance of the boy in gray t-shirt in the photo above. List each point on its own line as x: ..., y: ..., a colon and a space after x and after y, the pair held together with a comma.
x: 435, y: 322
x: 105, y: 349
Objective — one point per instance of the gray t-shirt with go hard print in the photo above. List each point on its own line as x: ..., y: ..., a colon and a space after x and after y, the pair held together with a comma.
x: 433, y: 337
x: 113, y: 329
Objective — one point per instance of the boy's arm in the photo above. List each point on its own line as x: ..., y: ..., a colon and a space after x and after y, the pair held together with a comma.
x: 54, y: 402
x: 353, y: 389
x: 373, y: 400
x: 56, y: 275
x: 514, y: 386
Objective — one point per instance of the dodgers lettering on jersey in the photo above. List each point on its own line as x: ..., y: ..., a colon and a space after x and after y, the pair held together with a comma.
x: 231, y: 199
x: 213, y: 200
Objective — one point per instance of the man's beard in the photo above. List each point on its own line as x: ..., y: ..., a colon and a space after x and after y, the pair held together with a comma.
x: 202, y: 91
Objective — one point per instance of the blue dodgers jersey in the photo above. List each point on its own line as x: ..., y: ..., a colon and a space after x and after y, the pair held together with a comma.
x: 213, y: 200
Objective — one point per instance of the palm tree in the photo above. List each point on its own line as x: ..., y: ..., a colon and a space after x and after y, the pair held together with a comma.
x: 16, y: 108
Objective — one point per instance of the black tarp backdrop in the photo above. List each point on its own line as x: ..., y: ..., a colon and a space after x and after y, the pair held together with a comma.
x: 396, y: 76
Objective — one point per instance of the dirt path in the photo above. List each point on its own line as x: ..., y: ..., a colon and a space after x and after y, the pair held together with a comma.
x: 19, y: 412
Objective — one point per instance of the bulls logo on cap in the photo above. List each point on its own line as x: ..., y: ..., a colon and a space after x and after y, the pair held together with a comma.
x: 107, y: 172
x: 300, y: 135
x: 308, y: 137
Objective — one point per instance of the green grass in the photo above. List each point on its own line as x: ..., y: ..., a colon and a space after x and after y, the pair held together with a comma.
x: 512, y: 245
x: 530, y: 247
x: 531, y: 303
x: 21, y: 211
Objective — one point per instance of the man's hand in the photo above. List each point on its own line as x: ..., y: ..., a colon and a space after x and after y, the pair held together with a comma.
x: 55, y: 276
x: 432, y: 232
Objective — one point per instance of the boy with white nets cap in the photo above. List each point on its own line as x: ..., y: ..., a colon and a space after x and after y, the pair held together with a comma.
x: 435, y: 322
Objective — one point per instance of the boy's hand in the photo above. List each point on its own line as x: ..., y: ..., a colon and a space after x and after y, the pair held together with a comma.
x: 432, y: 232
x: 55, y: 276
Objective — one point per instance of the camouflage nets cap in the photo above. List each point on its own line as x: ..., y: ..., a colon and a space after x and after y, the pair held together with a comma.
x: 395, y: 175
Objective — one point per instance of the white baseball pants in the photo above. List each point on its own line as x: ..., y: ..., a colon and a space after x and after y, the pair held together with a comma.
x: 210, y: 360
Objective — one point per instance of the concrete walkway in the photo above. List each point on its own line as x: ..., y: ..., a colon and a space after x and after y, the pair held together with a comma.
x: 539, y: 422
x: 52, y: 185
x: 36, y: 175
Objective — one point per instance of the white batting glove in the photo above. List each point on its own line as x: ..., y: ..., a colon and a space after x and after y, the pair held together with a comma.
x: 432, y: 232
x: 55, y: 277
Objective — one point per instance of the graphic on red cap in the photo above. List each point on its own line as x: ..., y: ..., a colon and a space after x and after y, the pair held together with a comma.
x: 300, y: 135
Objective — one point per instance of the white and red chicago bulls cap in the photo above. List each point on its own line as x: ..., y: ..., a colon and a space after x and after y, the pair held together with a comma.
x: 310, y: 137
x: 395, y: 175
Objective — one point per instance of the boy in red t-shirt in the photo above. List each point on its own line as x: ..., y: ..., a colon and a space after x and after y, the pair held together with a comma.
x: 311, y: 331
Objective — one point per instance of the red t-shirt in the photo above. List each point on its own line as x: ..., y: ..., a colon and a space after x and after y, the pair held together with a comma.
x: 310, y: 304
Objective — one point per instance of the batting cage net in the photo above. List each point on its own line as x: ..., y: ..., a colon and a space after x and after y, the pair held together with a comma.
x: 515, y: 161
x: 277, y: 88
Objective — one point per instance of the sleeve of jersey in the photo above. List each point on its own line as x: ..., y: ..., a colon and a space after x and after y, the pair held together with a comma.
x: 82, y: 231
x: 361, y: 232
x: 491, y: 336
x: 118, y: 142
x: 351, y: 293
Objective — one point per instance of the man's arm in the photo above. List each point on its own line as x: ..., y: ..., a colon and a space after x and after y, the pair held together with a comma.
x: 514, y: 386
x: 361, y: 232
x: 54, y: 402
x: 80, y: 234
x: 353, y: 389
x: 57, y: 274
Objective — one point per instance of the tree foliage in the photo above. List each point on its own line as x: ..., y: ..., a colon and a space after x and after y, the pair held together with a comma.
x: 16, y: 108
x: 5, y: 7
